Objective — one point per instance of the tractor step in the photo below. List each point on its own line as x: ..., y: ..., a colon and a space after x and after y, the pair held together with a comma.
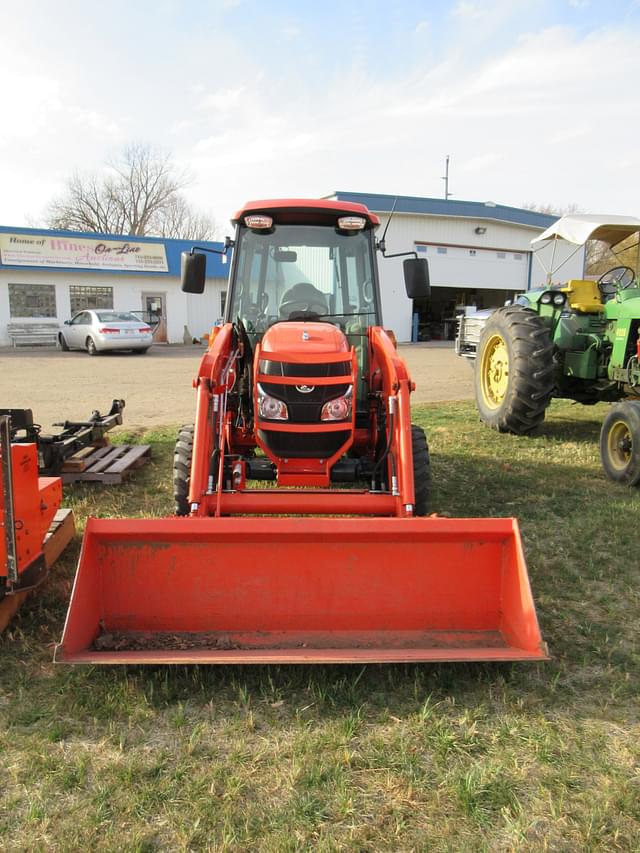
x: 300, y: 590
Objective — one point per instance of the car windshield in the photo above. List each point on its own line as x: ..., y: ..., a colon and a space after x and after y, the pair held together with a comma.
x: 116, y: 317
x: 304, y: 272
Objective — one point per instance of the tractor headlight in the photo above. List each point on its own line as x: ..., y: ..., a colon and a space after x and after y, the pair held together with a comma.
x: 559, y: 299
x: 338, y: 409
x: 270, y: 408
x: 546, y: 298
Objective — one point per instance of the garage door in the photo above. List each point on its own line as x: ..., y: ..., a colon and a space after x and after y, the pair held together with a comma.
x: 465, y: 266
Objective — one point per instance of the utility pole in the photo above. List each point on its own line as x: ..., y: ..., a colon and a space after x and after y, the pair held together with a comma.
x: 445, y: 178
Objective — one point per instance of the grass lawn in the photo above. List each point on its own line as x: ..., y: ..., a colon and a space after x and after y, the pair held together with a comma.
x: 422, y: 757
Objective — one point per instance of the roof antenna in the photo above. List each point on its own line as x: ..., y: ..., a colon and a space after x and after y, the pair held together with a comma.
x: 445, y: 178
x: 381, y: 245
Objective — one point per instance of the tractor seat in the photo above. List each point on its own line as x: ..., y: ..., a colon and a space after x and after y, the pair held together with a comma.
x: 583, y: 296
x: 302, y: 298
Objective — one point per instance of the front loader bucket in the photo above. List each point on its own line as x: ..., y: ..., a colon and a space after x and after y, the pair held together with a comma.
x: 300, y: 590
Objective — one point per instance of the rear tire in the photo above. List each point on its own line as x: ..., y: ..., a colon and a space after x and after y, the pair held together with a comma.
x: 514, y: 370
x: 421, y: 470
x: 91, y: 347
x: 620, y: 443
x: 182, y: 469
x: 64, y: 346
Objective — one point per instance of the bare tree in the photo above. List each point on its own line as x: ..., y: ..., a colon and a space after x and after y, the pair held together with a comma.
x: 553, y: 209
x: 139, y: 194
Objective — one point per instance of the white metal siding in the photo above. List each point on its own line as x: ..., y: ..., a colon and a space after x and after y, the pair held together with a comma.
x: 204, y: 310
x: 407, y: 230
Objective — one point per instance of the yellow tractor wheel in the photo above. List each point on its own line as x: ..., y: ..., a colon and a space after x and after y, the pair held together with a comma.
x: 514, y: 370
x: 620, y: 443
x: 494, y: 371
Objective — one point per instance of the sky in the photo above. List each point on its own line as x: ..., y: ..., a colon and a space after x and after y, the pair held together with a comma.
x: 535, y: 101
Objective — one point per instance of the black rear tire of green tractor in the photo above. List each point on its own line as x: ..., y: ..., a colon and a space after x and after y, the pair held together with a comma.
x: 421, y: 470
x: 620, y: 443
x: 514, y: 370
x: 182, y: 469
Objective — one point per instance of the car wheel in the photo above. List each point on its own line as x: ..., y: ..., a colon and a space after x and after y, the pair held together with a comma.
x: 91, y: 347
x: 64, y: 346
x: 140, y: 351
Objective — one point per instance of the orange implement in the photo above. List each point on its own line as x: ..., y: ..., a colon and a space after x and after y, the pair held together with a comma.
x: 301, y: 590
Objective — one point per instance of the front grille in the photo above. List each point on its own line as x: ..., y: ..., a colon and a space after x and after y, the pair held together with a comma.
x: 308, y: 445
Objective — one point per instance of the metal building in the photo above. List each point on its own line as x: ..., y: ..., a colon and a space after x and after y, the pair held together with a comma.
x: 479, y: 255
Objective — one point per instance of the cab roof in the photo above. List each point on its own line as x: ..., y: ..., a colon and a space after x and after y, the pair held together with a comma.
x: 305, y: 210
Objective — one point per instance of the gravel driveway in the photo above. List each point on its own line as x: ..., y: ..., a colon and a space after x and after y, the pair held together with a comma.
x: 157, y: 386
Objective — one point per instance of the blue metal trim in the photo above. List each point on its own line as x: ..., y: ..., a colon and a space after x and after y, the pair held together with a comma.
x: 173, y: 250
x: 380, y: 203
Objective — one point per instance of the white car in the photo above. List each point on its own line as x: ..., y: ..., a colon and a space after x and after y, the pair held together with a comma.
x: 102, y: 330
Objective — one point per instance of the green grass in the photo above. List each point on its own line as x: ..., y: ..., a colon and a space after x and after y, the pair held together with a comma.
x: 375, y: 758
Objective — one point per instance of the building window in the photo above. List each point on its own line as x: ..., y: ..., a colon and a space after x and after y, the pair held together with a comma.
x: 223, y: 301
x: 501, y: 254
x: 517, y: 257
x: 422, y: 249
x: 32, y: 300
x: 472, y: 251
x: 442, y: 250
x: 83, y: 297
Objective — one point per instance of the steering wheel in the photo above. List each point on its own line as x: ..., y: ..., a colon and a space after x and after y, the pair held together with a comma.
x: 367, y: 291
x: 615, y: 279
x: 303, y: 298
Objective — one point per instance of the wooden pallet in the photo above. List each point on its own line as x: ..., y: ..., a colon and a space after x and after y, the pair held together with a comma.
x: 60, y: 533
x: 110, y: 464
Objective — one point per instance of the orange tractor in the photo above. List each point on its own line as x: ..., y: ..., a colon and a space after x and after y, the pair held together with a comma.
x: 302, y: 488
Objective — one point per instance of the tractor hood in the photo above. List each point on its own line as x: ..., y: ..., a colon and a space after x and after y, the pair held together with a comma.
x: 299, y: 338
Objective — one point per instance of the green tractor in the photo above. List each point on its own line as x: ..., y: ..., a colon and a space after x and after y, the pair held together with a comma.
x: 579, y: 341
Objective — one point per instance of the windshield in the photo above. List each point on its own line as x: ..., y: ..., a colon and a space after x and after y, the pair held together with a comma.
x: 116, y: 317
x: 304, y: 272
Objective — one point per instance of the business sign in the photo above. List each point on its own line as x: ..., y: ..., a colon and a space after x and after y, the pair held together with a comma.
x: 44, y: 250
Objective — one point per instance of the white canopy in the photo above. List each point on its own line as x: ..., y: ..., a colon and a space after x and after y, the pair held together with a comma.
x: 577, y: 228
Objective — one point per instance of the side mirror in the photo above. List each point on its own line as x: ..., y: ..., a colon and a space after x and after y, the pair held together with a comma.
x: 193, y: 270
x: 67, y: 322
x: 416, y: 278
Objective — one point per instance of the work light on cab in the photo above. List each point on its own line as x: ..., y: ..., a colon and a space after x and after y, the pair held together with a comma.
x: 258, y: 222
x: 351, y: 223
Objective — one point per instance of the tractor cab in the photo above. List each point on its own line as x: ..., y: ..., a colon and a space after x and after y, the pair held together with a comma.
x: 304, y: 302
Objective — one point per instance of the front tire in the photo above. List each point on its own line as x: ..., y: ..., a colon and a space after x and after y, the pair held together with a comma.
x: 64, y: 346
x: 421, y: 470
x: 91, y: 347
x: 620, y: 443
x: 182, y: 469
x: 514, y: 370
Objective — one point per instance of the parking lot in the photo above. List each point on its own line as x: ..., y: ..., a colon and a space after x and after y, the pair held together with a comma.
x: 157, y: 386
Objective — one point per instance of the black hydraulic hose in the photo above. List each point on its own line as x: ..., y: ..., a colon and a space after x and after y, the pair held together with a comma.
x: 387, y: 449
